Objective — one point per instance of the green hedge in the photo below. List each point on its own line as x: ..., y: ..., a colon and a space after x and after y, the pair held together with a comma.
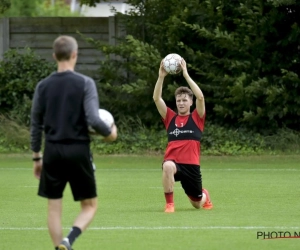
x: 216, y: 140
x: 20, y: 71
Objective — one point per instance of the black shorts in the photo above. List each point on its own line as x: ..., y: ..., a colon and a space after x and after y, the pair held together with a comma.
x: 67, y: 163
x: 190, y: 178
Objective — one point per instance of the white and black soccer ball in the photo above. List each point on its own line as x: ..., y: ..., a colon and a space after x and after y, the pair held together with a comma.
x: 171, y: 63
x: 105, y: 116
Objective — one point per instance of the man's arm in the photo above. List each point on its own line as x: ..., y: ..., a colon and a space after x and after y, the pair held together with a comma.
x: 36, y: 130
x: 200, y: 103
x: 157, y: 93
x: 91, y: 107
x: 36, y: 125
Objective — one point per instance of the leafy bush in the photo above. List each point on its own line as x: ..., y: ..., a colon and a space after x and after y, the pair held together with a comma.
x: 216, y: 141
x: 219, y: 140
x: 138, y: 139
x: 35, y: 8
x: 4, y: 5
x: 130, y: 81
x: 133, y: 138
x: 285, y: 140
x: 14, y: 137
x: 20, y: 71
x: 60, y: 8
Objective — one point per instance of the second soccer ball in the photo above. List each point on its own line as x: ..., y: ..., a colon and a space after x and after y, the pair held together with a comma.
x: 105, y: 116
x: 171, y: 63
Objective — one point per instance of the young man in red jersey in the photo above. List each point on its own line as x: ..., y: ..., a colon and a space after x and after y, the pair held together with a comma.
x: 182, y: 155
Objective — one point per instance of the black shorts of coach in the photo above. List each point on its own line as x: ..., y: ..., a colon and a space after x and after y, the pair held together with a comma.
x: 190, y: 178
x: 67, y: 163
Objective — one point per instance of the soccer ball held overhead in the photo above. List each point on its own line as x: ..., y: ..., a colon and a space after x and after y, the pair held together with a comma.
x: 171, y: 63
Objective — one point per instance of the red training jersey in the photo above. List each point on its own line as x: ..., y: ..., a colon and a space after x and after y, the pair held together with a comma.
x: 183, y: 151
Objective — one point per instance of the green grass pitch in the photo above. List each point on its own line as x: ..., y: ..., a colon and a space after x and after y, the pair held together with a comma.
x: 250, y: 195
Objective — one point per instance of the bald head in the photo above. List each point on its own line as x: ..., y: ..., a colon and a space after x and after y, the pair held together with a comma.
x: 63, y: 47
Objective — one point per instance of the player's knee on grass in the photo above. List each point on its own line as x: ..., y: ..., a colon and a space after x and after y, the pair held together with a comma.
x: 198, y: 202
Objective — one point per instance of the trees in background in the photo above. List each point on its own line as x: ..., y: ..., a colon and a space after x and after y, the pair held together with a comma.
x: 34, y: 8
x: 244, y: 54
x: 22, y: 8
x: 4, y: 5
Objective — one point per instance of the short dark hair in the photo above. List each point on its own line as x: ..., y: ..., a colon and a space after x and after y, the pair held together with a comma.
x: 184, y: 90
x: 63, y: 47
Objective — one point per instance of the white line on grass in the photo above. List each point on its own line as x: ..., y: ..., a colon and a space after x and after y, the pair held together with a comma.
x: 158, y: 169
x: 164, y: 228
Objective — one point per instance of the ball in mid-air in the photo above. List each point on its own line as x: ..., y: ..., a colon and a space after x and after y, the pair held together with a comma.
x: 171, y: 63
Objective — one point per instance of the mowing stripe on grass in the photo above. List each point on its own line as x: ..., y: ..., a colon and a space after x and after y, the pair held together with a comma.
x: 202, y: 169
x: 163, y: 228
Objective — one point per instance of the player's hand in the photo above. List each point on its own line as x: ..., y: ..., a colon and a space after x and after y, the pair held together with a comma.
x: 37, y: 169
x: 113, y: 135
x: 162, y: 72
x: 183, y: 67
